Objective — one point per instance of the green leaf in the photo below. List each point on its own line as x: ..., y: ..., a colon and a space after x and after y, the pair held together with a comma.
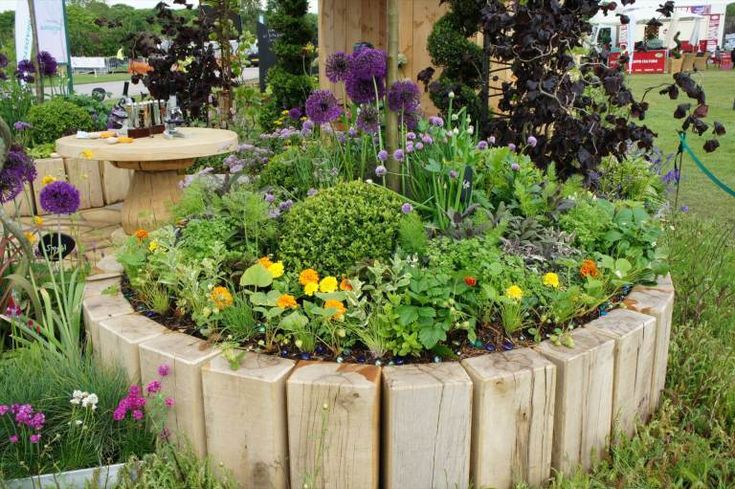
x: 407, y: 315
x: 294, y: 321
x: 612, y: 236
x: 429, y: 336
x: 257, y: 276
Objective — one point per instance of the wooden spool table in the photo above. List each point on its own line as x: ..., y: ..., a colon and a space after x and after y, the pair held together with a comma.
x: 157, y: 163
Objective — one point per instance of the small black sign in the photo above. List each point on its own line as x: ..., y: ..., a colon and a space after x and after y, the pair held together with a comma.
x: 266, y: 56
x: 56, y: 246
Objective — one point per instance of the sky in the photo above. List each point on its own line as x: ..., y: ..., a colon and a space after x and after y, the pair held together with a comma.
x: 10, y: 4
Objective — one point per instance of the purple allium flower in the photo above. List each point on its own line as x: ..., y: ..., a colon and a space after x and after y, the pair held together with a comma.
x: 362, y: 91
x: 482, y: 145
x: 419, y: 146
x: 308, y: 124
x: 436, y: 121
x: 368, y: 63
x: 426, y: 139
x: 337, y: 66
x: 453, y: 174
x: 22, y: 126
x: 153, y: 387
x: 403, y: 96
x: 46, y: 63
x: 411, y: 119
x: 383, y: 155
x: 35, y: 438
x: 398, y: 155
x: 491, y: 139
x: 59, y: 197
x: 269, y: 197
x: 285, y: 205
x: 515, y: 167
x: 409, y: 147
x: 295, y: 113
x: 368, y: 120
x: 410, y: 136
x: 18, y: 170
x: 13, y: 439
x: 311, y: 192
x: 25, y: 71
x: 532, y: 141
x: 381, y: 171
x: 322, y: 107
x: 3, y: 60
x: 406, y: 208
x: 164, y: 370
x: 512, y: 147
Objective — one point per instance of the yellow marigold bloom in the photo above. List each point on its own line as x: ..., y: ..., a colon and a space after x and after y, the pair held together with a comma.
x: 153, y: 245
x: 309, y: 276
x: 284, y: 112
x: 141, y: 234
x: 328, y: 285
x: 38, y: 220
x: 221, y: 297
x: 87, y: 154
x: 30, y: 237
x: 551, y: 280
x: 125, y: 139
x: 287, y: 301
x: 47, y: 179
x: 310, y: 288
x: 265, y: 261
x: 332, y: 304
x: 514, y: 292
x: 345, y: 284
x: 276, y: 269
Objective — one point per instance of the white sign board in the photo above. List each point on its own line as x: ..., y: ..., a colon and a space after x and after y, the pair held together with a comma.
x: 51, y: 31
x: 88, y: 62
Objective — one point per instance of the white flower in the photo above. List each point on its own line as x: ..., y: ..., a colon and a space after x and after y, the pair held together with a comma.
x: 470, y: 130
x: 77, y: 394
x: 451, y: 94
x: 78, y: 422
x: 455, y: 117
x: 75, y: 401
x: 455, y: 131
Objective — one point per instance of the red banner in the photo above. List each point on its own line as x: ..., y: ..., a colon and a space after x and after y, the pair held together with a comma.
x: 644, y: 61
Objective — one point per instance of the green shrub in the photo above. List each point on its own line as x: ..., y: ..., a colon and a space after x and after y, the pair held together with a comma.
x: 200, y: 236
x: 56, y: 118
x: 291, y: 169
x: 340, y: 227
x: 97, y: 110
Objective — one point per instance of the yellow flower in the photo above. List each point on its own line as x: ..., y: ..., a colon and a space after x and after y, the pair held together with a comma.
x: 47, y: 179
x: 310, y: 288
x: 38, y: 221
x: 287, y: 301
x: 284, y: 112
x: 328, y: 285
x: 221, y: 297
x: 265, y: 261
x: 87, y: 154
x: 551, y: 280
x: 308, y: 276
x: 332, y: 304
x: 514, y: 292
x: 30, y: 237
x: 345, y: 284
x: 276, y: 269
x: 153, y: 245
x: 279, y: 122
x: 124, y: 139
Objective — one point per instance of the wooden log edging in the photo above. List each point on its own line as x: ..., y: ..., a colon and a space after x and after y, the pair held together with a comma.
x: 493, y: 420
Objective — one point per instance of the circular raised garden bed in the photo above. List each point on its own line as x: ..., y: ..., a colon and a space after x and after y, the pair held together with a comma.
x: 493, y: 419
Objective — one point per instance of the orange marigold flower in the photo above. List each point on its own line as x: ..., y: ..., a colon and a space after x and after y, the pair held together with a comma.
x: 345, y: 284
x: 141, y: 234
x: 333, y: 304
x: 287, y: 301
x: 589, y: 269
x: 265, y: 261
x: 308, y: 276
x: 221, y: 297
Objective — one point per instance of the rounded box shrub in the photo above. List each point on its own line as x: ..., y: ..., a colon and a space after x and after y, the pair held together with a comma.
x: 56, y: 118
x: 342, y: 226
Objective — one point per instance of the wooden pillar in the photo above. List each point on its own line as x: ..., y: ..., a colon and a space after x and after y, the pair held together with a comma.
x: 391, y: 124
x: 430, y: 450
x: 512, y: 418
x: 119, y: 338
x: 100, y: 307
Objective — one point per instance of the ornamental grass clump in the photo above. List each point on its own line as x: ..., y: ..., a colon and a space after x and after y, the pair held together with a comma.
x: 341, y: 227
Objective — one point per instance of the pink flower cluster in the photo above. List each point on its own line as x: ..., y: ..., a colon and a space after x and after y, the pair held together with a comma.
x: 25, y: 417
x: 134, y: 403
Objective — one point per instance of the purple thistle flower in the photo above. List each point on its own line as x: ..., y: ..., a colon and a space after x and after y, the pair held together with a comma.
x: 337, y: 66
x: 409, y: 147
x: 383, y: 155
x: 368, y: 120
x: 46, y: 63
x: 169, y: 402
x: 411, y: 119
x: 419, y: 146
x: 368, y: 63
x: 482, y: 145
x: 398, y: 155
x: 322, y: 107
x: 362, y: 91
x: 532, y: 141
x: 512, y: 147
x: 426, y: 139
x: 406, y: 208
x: 60, y: 197
x: 295, y: 113
x: 436, y: 121
x: 380, y: 171
x: 25, y: 71
x: 403, y: 96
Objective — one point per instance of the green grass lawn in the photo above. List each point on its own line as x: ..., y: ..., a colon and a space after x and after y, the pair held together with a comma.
x: 697, y: 191
x: 81, y: 79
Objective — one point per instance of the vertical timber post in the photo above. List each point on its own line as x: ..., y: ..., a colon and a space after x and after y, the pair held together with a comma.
x: 391, y: 123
